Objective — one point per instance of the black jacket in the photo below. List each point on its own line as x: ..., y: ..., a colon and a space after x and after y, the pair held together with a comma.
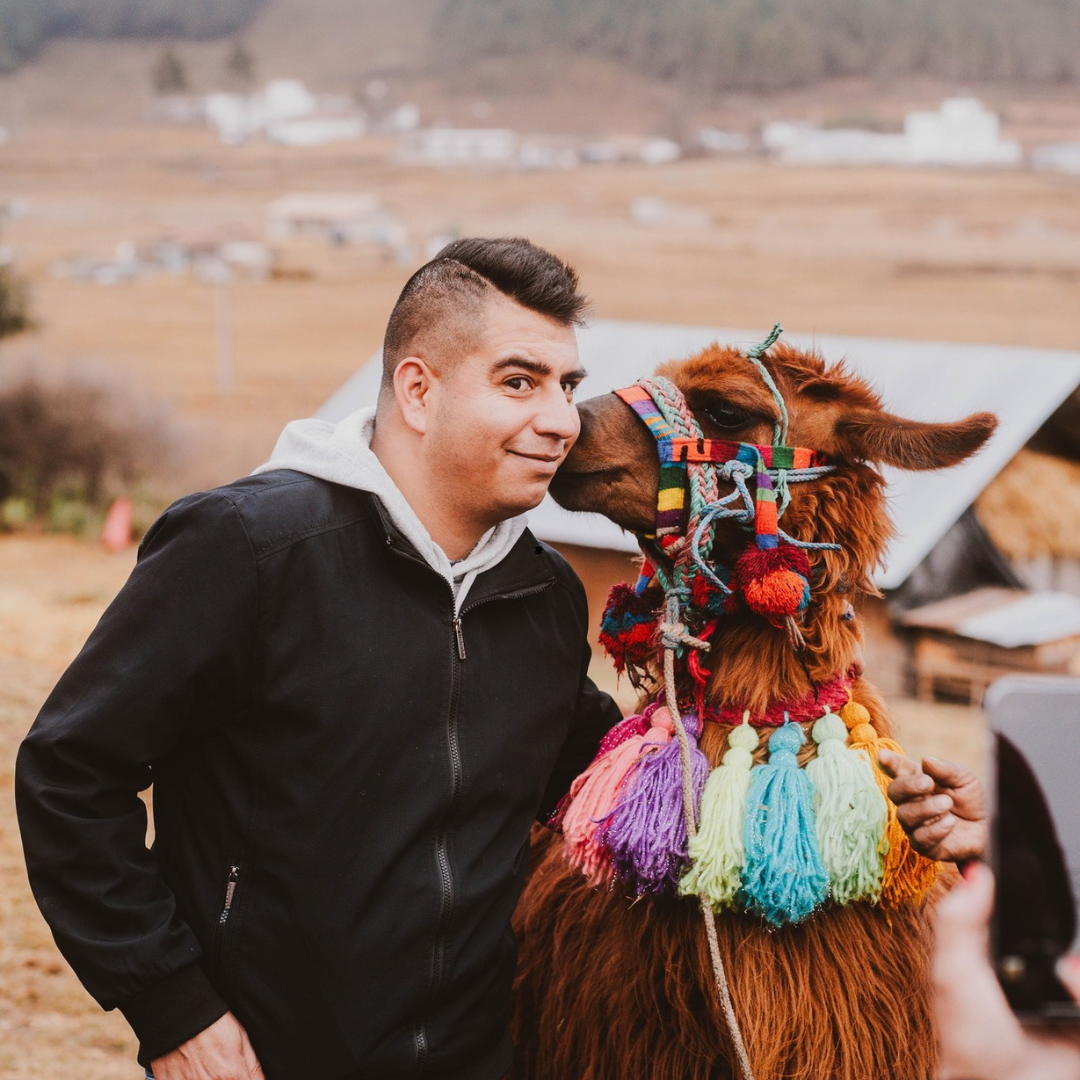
x: 344, y: 782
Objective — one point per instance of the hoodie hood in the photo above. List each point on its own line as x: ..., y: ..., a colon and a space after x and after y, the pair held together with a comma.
x: 341, y: 453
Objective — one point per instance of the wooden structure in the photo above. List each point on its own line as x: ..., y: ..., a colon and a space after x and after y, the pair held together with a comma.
x: 960, y: 645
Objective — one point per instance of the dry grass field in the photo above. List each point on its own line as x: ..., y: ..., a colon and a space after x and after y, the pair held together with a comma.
x: 962, y: 256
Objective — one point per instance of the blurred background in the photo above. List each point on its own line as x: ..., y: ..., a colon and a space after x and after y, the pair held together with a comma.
x: 207, y: 211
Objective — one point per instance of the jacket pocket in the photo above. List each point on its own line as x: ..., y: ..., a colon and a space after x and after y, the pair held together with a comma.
x: 217, y: 948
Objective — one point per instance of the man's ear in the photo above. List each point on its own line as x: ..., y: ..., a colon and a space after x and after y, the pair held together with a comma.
x: 412, y: 387
x: 870, y: 435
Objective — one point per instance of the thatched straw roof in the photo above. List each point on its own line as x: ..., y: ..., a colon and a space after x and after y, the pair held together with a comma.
x: 1032, y: 508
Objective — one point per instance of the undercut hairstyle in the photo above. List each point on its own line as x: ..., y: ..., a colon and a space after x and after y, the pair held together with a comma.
x: 441, y: 306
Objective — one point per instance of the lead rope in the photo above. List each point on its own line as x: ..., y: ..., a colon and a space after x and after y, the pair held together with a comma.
x: 674, y: 628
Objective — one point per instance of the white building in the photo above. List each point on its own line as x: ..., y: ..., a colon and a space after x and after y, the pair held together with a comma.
x: 460, y: 146
x: 286, y: 112
x: 961, y: 133
x: 341, y: 217
x: 1057, y: 157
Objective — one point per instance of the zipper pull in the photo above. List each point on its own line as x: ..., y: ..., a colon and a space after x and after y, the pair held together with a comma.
x: 230, y: 888
x: 460, y: 638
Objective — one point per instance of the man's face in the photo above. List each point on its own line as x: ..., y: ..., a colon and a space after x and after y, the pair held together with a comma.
x: 503, y: 417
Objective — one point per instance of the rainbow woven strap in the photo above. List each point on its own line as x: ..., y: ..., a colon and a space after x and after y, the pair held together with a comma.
x: 676, y: 452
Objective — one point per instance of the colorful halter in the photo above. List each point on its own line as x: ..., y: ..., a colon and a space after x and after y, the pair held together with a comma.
x: 771, y: 579
x: 678, y: 452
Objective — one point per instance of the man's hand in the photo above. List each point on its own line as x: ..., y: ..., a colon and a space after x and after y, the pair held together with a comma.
x: 942, y: 806
x: 979, y: 1038
x: 220, y: 1052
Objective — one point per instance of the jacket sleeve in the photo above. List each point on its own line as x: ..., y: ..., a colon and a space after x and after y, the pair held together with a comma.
x: 176, y: 644
x: 596, y: 714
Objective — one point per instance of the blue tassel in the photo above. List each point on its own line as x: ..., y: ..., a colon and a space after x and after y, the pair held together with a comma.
x: 784, y: 879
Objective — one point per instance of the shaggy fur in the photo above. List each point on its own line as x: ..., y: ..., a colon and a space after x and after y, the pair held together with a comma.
x: 612, y: 988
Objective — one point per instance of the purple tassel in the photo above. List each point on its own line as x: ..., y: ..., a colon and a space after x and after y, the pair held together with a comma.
x: 646, y: 832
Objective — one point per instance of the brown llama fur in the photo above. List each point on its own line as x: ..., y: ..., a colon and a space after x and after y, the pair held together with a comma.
x: 610, y: 987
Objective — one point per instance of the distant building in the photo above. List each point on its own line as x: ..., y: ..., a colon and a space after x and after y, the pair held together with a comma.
x: 460, y: 146
x: 714, y: 141
x: 341, y: 217
x: 287, y: 112
x: 631, y: 148
x: 1057, y: 157
x: 961, y: 133
x: 316, y: 130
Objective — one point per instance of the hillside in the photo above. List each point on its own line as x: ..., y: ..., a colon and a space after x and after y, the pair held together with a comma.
x: 25, y: 25
x: 763, y: 44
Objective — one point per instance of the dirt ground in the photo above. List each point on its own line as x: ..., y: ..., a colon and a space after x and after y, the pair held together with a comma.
x: 962, y: 256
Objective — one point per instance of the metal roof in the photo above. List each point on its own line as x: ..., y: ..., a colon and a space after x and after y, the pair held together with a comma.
x: 923, y: 380
x: 1006, y: 617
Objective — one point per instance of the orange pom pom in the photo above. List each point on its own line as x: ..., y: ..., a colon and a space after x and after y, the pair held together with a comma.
x: 779, y: 593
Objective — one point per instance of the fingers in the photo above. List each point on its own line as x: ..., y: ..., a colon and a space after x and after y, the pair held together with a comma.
x: 977, y: 1032
x: 948, y: 773
x: 1068, y: 971
x: 896, y: 765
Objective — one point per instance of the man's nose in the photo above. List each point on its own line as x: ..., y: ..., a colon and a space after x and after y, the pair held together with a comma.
x: 558, y: 417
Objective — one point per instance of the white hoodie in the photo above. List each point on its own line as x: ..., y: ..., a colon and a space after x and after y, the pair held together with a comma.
x: 341, y: 453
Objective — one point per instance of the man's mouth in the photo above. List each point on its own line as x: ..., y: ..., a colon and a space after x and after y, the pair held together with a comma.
x: 543, y: 459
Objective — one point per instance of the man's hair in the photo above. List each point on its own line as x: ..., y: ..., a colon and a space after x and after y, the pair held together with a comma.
x: 443, y: 300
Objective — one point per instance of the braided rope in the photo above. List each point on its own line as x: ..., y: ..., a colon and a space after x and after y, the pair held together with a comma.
x: 780, y: 428
x: 719, y: 973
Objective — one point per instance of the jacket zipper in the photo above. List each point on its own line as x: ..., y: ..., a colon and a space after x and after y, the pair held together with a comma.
x: 442, y: 853
x: 223, y: 918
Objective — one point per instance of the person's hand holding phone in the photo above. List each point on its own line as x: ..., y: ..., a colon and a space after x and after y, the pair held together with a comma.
x: 941, y: 805
x: 979, y: 1037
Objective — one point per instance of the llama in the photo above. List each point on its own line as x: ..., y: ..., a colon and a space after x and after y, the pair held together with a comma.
x: 615, y: 976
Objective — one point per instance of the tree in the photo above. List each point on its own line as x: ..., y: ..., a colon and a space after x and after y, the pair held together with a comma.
x: 240, y: 66
x: 14, y: 303
x: 169, y: 75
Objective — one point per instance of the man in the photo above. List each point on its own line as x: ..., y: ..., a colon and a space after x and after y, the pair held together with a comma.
x: 354, y: 680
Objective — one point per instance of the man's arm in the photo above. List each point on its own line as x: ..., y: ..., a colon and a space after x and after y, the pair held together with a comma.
x: 177, y: 643
x: 596, y: 714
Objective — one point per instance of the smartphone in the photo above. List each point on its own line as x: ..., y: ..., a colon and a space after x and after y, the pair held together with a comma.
x: 1035, y: 848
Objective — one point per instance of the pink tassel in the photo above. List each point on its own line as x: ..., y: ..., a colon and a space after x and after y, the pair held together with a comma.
x: 595, y: 792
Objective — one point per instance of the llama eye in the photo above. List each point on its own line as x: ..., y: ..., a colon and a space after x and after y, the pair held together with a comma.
x: 724, y: 415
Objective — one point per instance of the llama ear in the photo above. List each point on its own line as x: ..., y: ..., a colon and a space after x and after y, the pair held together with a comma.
x: 871, y: 435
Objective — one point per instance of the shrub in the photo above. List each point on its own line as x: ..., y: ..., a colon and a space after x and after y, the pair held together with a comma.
x: 67, y: 449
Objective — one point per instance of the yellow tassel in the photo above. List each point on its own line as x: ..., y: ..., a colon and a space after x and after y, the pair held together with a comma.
x: 907, y: 876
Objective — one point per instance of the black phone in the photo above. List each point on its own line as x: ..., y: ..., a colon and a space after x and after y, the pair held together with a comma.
x: 1035, y: 848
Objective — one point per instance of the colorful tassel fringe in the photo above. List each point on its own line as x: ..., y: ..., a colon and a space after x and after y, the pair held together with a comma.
x: 784, y: 879
x: 850, y: 813
x: 646, y: 832
x: 717, y: 851
x: 906, y: 875
x: 594, y: 794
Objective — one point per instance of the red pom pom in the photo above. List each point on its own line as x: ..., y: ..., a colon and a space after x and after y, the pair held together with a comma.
x: 774, y: 582
x: 628, y: 626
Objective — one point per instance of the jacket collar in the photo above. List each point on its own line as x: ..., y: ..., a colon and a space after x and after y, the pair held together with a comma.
x: 525, y: 566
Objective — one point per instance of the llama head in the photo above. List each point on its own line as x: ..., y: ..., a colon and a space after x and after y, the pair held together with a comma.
x: 613, y: 469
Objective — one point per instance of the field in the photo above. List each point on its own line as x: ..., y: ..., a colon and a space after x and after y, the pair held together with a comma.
x: 963, y: 256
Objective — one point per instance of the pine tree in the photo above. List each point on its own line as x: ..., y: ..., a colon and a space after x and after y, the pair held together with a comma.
x: 240, y: 66
x: 169, y: 75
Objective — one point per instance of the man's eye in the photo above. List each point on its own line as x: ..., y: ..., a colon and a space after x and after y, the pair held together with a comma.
x: 569, y: 388
x: 518, y: 382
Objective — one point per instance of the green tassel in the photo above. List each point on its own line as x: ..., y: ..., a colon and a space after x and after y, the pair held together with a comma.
x: 850, y: 810
x: 717, y: 852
